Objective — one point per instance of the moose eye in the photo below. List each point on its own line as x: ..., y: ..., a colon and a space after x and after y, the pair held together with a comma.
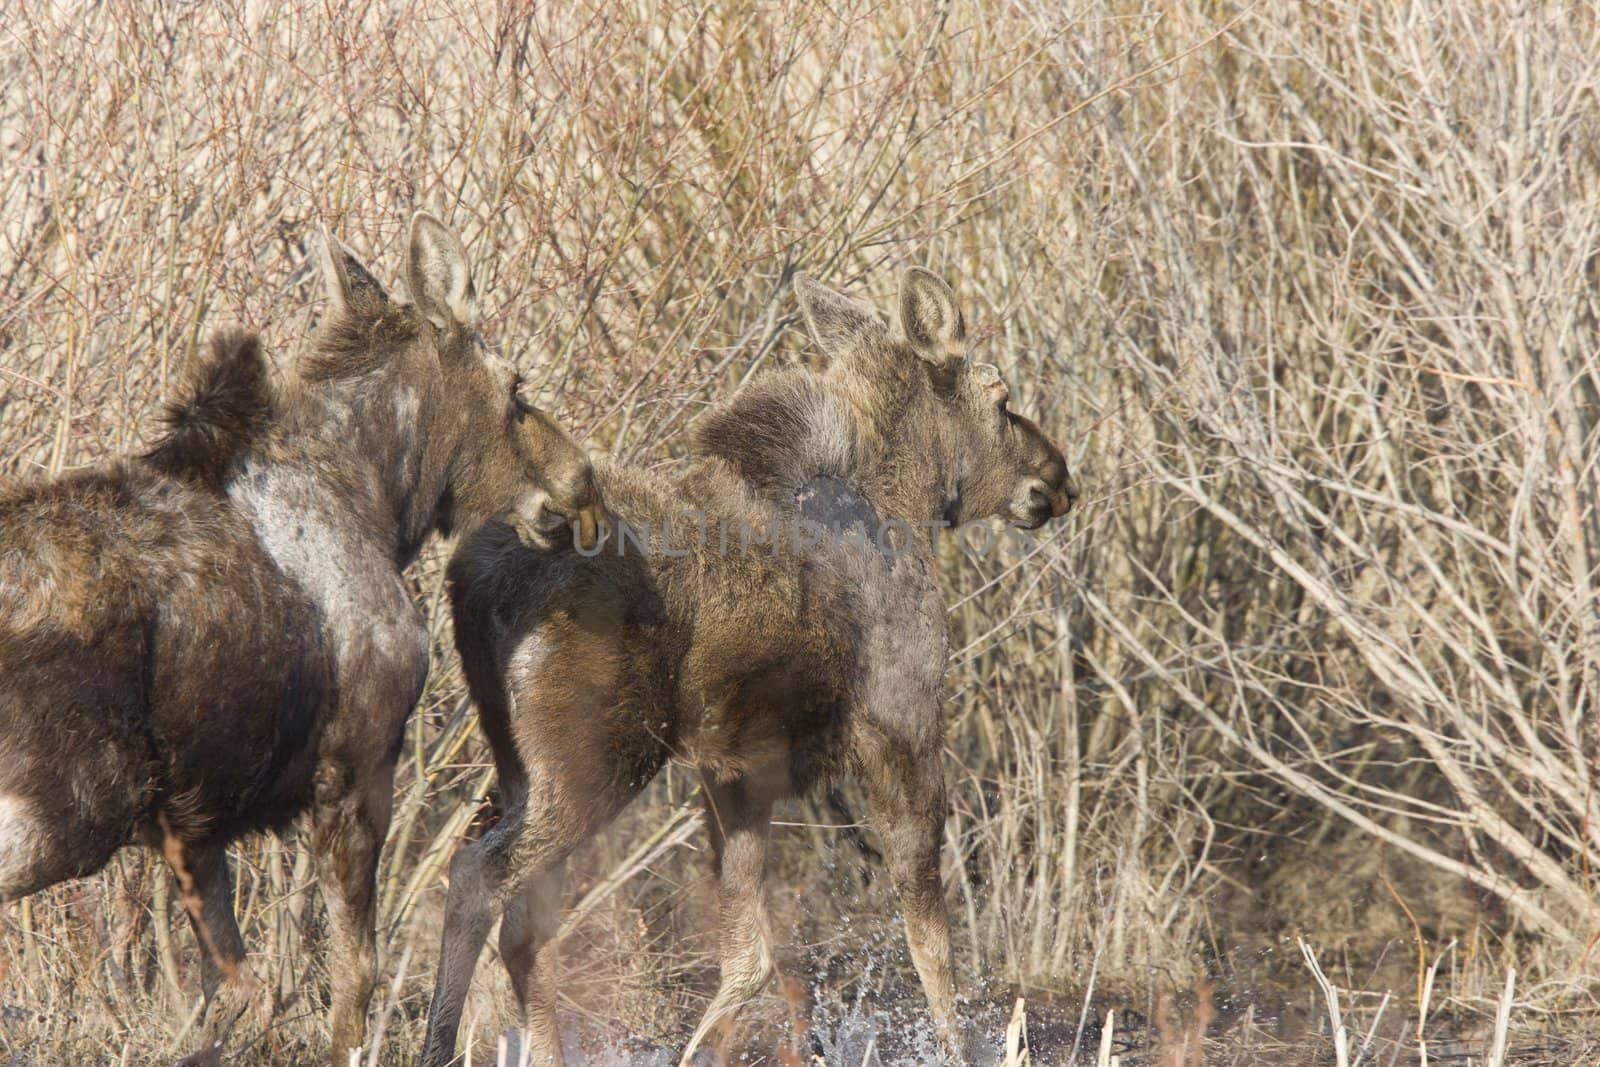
x: 518, y: 404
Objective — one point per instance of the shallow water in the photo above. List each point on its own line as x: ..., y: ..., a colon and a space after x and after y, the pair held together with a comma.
x: 840, y: 1033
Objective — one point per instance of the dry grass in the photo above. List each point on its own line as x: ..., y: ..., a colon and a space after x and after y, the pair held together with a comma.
x: 1307, y: 289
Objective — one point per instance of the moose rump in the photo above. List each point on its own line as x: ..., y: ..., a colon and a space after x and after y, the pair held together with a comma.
x: 159, y: 678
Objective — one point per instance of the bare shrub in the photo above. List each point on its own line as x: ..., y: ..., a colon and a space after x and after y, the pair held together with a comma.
x: 1308, y: 289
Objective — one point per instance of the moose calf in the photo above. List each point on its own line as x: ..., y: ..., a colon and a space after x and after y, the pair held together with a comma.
x: 214, y: 637
x: 770, y: 667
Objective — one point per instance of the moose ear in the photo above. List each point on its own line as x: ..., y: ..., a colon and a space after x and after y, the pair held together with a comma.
x: 437, y: 271
x: 837, y: 323
x: 929, y: 316
x: 347, y: 280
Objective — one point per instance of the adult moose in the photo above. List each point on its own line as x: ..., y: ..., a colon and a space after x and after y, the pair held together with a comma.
x: 770, y: 667
x: 214, y: 637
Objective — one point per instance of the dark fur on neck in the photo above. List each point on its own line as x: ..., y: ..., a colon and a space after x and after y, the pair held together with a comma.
x: 228, y: 406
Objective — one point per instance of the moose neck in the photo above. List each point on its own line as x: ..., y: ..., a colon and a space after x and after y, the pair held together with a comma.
x: 366, y: 442
x: 408, y: 457
x: 914, y: 475
x: 906, y: 462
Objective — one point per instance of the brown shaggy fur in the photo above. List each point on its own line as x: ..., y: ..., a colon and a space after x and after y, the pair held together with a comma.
x: 216, y: 637
x: 228, y: 406
x: 769, y: 668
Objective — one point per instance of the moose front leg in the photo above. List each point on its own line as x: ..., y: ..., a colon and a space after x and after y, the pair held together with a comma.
x: 205, y: 885
x: 349, y: 833
x: 906, y: 791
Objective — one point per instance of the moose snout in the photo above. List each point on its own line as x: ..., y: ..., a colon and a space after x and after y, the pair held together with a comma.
x: 541, y: 515
x: 1038, y: 501
x: 1065, y: 495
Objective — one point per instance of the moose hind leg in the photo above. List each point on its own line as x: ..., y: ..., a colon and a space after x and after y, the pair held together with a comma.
x: 479, y: 873
x: 740, y: 821
x: 205, y: 885
x: 528, y: 950
x: 906, y: 791
x: 349, y: 833
x: 518, y: 851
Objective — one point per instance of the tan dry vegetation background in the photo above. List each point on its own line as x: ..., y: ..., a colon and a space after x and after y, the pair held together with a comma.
x: 1307, y: 291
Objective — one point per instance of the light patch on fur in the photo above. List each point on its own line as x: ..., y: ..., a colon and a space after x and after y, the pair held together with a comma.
x: 520, y: 676
x: 829, y: 445
x: 22, y: 842
x: 522, y: 671
x: 365, y: 608
x: 407, y: 409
